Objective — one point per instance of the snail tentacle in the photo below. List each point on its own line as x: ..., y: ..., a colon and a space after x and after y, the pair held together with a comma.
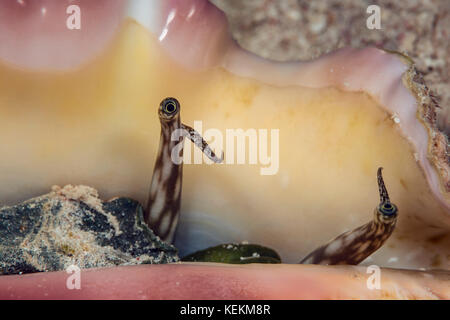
x: 352, y: 247
x: 163, y: 207
x: 164, y: 201
x: 198, y: 140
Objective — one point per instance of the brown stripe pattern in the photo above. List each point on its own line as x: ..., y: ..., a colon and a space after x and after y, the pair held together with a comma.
x: 163, y: 208
x: 197, y: 139
x: 352, y: 247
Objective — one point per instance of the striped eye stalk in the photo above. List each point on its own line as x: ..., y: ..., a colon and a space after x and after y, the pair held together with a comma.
x: 163, y: 208
x: 352, y: 247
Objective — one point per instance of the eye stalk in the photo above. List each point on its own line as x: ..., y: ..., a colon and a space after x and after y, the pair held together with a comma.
x: 163, y: 207
x: 352, y: 247
x: 169, y: 107
x: 387, y: 209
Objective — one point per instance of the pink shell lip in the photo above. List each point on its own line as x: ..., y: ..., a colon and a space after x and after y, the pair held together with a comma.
x: 218, y: 281
x: 34, y: 33
x: 196, y: 31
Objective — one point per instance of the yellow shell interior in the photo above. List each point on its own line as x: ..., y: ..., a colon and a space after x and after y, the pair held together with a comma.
x: 98, y: 126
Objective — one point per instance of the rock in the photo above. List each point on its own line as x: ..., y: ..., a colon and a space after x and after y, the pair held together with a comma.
x: 72, y: 226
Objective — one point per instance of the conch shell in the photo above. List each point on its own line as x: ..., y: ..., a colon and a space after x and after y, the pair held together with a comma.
x: 89, y: 118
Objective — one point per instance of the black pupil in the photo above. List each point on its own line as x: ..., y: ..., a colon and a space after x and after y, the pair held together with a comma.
x: 388, y: 209
x: 170, y: 107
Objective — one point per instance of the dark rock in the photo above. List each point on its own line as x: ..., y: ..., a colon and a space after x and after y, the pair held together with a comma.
x: 72, y: 226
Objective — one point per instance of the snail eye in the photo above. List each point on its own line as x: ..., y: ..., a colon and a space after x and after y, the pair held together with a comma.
x: 170, y: 106
x: 387, y: 209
